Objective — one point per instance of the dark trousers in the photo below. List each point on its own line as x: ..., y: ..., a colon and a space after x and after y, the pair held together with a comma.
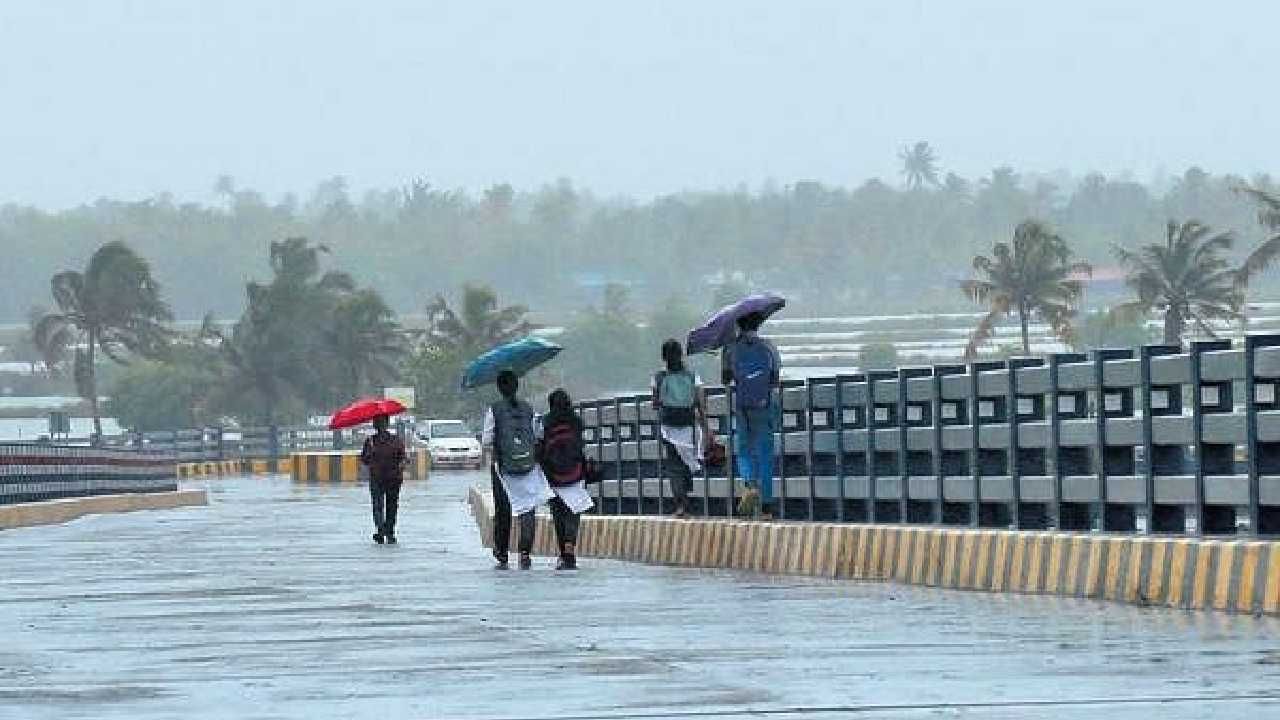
x: 566, y: 522
x: 678, y: 474
x: 385, y: 495
x: 502, y: 521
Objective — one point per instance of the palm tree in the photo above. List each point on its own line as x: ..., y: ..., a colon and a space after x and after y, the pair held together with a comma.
x: 1268, y: 208
x: 1187, y: 279
x: 277, y: 351
x: 481, y: 324
x: 114, y: 305
x: 365, y: 342
x: 1033, y: 277
x: 919, y: 165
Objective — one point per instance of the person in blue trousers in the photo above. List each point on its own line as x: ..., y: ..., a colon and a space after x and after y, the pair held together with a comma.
x: 752, y: 365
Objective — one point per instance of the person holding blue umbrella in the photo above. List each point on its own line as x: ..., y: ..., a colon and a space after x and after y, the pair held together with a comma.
x: 519, y: 485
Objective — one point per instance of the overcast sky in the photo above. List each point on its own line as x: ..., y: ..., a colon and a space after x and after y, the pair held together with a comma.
x: 127, y: 99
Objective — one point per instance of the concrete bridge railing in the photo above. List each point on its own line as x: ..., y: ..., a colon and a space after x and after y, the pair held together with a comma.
x: 1146, y: 440
x: 34, y: 473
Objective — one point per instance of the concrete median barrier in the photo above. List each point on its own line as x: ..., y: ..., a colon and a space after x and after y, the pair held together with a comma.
x: 1191, y: 573
x: 52, y: 512
x: 343, y: 466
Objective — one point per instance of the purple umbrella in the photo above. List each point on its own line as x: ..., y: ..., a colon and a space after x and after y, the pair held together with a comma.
x: 722, y: 327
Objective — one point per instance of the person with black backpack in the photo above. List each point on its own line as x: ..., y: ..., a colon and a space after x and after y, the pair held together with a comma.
x: 682, y: 421
x: 754, y: 367
x: 519, y: 486
x: 562, y: 453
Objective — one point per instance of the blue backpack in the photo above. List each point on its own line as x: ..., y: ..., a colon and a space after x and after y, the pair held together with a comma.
x: 753, y: 373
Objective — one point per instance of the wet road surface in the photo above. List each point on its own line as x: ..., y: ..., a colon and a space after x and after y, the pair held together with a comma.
x: 273, y: 603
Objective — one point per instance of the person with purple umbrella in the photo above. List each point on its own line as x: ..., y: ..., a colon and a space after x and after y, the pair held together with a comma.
x: 753, y: 366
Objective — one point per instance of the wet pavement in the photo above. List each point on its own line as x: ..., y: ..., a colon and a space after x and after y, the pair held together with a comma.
x: 273, y: 603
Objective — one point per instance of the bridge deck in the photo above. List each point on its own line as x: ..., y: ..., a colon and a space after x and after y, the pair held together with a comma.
x: 272, y: 603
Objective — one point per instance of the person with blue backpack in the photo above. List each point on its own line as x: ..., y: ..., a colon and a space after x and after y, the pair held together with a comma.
x: 682, y: 422
x: 752, y: 365
x: 519, y: 485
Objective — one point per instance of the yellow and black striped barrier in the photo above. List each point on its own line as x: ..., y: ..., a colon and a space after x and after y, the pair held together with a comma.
x: 343, y: 466
x: 215, y: 468
x: 1199, y: 574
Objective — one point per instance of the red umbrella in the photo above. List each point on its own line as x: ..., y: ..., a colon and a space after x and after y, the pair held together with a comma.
x: 362, y: 411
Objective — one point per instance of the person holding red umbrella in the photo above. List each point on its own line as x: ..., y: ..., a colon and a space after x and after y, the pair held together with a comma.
x: 384, y: 455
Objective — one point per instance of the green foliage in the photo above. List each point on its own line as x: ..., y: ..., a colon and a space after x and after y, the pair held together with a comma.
x: 1100, y: 329
x: 308, y: 341
x: 162, y: 395
x: 1188, y: 279
x: 878, y: 356
x: 1032, y: 278
x: 451, y: 339
x: 919, y: 165
x: 611, y: 349
x: 113, y: 306
x: 869, y: 248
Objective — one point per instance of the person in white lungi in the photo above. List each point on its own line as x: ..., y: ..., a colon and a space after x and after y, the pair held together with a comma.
x: 682, y: 419
x: 519, y: 486
x: 562, y: 454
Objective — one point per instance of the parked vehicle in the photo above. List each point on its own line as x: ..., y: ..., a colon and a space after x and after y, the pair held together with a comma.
x: 451, y: 444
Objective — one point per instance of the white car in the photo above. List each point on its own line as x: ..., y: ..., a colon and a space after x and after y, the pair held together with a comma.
x: 451, y: 444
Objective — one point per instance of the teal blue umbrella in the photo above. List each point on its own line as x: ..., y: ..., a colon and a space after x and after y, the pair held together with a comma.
x: 519, y: 356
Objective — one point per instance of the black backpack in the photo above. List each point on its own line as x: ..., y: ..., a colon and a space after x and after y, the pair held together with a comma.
x: 513, y: 442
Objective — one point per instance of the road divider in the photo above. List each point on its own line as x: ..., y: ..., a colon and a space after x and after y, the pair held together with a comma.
x: 1191, y: 573
x: 217, y: 468
x: 52, y: 512
x: 343, y: 466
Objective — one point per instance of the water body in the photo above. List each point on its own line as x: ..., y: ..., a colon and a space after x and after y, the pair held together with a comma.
x: 29, y: 429
x: 273, y: 603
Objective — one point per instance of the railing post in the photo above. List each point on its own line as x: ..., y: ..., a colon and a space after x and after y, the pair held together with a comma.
x: 617, y: 442
x: 599, y: 407
x: 1100, y: 358
x: 731, y: 455
x: 1198, y: 348
x: 1252, y: 343
x: 1013, y: 412
x: 905, y: 423
x: 273, y: 446
x: 808, y: 460
x: 870, y: 458
x: 975, y: 438
x: 839, y: 423
x: 1146, y: 353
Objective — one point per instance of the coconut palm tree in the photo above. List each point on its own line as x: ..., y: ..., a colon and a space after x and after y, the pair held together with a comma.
x: 1268, y: 207
x: 479, y: 325
x: 1188, y: 280
x: 113, y: 306
x: 1033, y: 277
x: 919, y: 165
x: 365, y: 342
x: 280, y: 354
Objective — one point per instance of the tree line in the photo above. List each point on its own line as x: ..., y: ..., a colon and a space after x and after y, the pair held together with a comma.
x: 880, y: 246
x: 313, y: 336
x: 308, y: 340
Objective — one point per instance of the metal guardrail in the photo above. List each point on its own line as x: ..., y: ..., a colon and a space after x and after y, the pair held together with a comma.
x: 1146, y: 440
x: 146, y: 462
x: 217, y: 443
